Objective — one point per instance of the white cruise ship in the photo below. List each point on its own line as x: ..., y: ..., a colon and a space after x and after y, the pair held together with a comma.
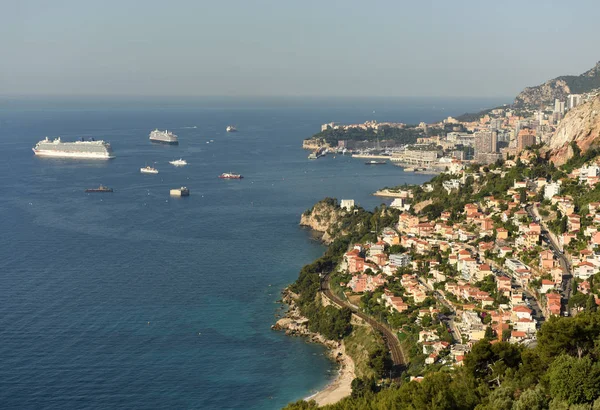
x: 165, y: 137
x: 76, y: 149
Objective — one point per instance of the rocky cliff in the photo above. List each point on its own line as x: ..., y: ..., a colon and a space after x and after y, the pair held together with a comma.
x: 581, y: 125
x: 559, y: 87
x: 325, y: 217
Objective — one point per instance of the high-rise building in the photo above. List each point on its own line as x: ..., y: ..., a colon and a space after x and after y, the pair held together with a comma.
x: 559, y: 106
x: 525, y: 139
x: 485, y: 141
x: 486, y: 146
x: 573, y: 100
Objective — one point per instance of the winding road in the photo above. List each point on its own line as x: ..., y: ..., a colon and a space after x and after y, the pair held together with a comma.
x: 390, y: 339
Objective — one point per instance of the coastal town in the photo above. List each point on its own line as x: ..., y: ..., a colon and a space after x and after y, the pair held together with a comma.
x: 485, y: 138
x: 504, y: 239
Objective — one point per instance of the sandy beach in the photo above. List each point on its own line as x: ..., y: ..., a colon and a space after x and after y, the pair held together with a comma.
x: 341, y: 386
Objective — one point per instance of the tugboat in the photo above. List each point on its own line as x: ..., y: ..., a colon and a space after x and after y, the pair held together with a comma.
x: 229, y: 175
x: 101, y: 188
x: 231, y: 128
x: 183, y: 191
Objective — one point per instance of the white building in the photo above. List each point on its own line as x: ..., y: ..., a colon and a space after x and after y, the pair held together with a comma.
x: 347, y: 204
x: 588, y: 171
x: 551, y: 189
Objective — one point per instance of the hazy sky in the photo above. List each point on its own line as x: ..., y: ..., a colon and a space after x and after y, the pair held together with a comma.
x: 292, y: 47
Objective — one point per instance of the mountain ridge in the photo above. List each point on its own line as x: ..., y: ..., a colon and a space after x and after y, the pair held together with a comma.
x: 559, y: 88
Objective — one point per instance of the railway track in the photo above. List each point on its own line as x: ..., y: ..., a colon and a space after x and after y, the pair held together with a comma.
x: 390, y: 339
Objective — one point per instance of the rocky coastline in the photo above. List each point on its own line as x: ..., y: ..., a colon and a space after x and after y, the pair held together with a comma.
x: 293, y: 323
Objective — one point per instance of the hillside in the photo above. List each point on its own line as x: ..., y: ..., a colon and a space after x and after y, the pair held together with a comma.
x: 559, y: 87
x: 581, y: 125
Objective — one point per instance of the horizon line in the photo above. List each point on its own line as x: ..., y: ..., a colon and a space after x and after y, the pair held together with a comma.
x: 241, y: 96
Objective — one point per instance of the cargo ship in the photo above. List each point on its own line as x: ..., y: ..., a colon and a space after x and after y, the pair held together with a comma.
x: 101, y: 188
x: 229, y: 175
x: 77, y: 149
x: 163, y: 137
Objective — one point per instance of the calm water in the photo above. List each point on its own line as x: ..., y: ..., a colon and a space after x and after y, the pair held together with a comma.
x: 137, y: 300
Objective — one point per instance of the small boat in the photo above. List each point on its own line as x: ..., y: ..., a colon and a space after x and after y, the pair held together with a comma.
x: 148, y: 170
x: 373, y: 162
x: 312, y: 155
x: 230, y: 175
x: 183, y: 191
x: 231, y: 128
x: 101, y: 188
x: 178, y: 162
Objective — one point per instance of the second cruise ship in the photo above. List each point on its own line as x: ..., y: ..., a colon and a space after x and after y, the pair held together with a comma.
x: 164, y: 137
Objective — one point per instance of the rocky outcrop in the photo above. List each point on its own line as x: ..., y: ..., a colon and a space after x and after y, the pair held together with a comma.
x: 294, y: 324
x: 560, y: 88
x: 543, y: 94
x: 581, y: 125
x: 324, y: 217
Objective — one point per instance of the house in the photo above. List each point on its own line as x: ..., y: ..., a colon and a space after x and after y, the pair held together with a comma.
x: 356, y: 264
x: 584, y: 287
x: 399, y: 259
x: 347, y: 204
x: 547, y: 259
x: 552, y: 304
x: 366, y: 283
x: 501, y: 234
x: 584, y: 270
x: 482, y: 271
x: 525, y: 325
x: 503, y: 284
x: 547, y: 285
x: 517, y: 336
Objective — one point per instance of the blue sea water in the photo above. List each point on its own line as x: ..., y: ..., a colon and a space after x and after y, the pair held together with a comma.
x: 138, y: 300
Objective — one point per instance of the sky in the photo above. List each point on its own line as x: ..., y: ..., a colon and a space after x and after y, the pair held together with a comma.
x: 469, y: 48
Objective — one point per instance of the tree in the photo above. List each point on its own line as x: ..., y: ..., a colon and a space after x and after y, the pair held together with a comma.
x: 574, y: 380
x: 590, y: 305
x: 489, y: 333
x: 361, y: 387
x: 532, y: 399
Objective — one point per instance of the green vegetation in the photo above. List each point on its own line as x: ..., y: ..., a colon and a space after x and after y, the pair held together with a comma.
x: 369, y: 353
x: 561, y: 372
x: 406, y: 135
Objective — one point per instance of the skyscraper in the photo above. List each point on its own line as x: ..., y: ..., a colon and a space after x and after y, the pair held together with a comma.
x: 559, y: 106
x: 573, y: 100
x: 525, y: 139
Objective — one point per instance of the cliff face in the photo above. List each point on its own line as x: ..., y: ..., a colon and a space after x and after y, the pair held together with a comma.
x: 544, y: 94
x: 559, y: 88
x: 582, y: 125
x: 324, y: 217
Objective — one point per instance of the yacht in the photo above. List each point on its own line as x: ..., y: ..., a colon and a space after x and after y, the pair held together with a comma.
x: 148, y: 170
x: 178, y: 162
x: 231, y: 128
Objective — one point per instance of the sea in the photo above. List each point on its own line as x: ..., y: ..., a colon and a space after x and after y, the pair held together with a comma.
x: 134, y: 299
